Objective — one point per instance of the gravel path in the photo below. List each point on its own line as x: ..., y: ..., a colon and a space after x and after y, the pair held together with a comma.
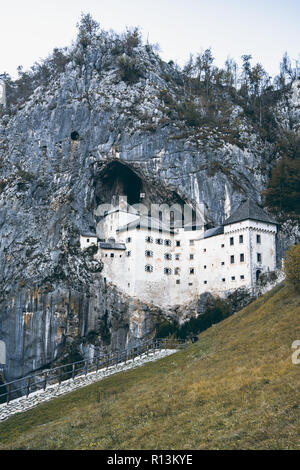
x: 23, y: 404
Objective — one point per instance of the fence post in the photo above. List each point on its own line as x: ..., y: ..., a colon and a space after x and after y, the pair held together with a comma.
x: 45, y: 380
x: 85, y: 367
x: 27, y: 387
x: 97, y: 363
x: 7, y: 394
x: 59, y: 376
x: 73, y: 371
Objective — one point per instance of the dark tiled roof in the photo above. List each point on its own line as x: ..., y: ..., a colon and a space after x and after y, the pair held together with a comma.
x: 112, y: 246
x: 212, y: 232
x: 146, y: 222
x: 89, y: 234
x: 249, y: 210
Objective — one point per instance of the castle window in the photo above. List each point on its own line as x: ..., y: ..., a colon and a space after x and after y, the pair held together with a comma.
x: 223, y: 280
x: 192, y: 270
x: 222, y: 263
x: 232, y: 259
x: 177, y: 256
x: 241, y: 239
x: 242, y: 276
x: 128, y: 240
x: 233, y: 278
x: 222, y: 246
x: 159, y: 241
x: 168, y: 271
x: 191, y: 256
x: 190, y: 283
x: 149, y: 239
x: 177, y: 271
x: 177, y: 281
x: 168, y: 242
x: 258, y: 239
x: 177, y: 242
x: 168, y: 256
x: 242, y: 257
x: 112, y: 255
x: 204, y: 250
x: 259, y: 257
x: 205, y: 282
x: 128, y: 253
x: 192, y: 242
x: 149, y: 253
x: 204, y: 266
x: 88, y: 240
x: 148, y: 268
x: 231, y: 241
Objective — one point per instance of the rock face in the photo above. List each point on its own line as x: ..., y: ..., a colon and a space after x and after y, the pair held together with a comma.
x: 76, y: 142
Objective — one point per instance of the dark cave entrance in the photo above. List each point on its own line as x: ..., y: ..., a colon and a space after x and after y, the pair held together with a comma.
x: 118, y: 180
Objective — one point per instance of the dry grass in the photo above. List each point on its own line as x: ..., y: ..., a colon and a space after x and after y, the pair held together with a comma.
x: 235, y: 389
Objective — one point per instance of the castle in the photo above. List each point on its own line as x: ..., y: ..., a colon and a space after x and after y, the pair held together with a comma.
x: 169, y: 265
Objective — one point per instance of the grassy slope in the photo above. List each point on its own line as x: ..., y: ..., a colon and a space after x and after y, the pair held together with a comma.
x: 235, y: 388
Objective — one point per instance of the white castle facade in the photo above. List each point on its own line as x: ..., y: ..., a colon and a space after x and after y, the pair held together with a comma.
x: 148, y: 260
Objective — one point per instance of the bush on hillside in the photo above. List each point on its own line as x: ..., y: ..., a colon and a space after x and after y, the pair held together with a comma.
x: 292, y: 267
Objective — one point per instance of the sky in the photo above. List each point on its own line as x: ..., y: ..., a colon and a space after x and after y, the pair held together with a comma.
x: 30, y: 29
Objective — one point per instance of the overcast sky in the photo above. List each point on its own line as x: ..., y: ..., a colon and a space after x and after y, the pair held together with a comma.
x: 30, y: 29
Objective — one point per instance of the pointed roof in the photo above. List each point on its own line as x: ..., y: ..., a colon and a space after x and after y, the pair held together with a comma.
x: 249, y: 210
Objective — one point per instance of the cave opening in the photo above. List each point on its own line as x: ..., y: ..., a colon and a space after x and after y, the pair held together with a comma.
x: 74, y: 135
x: 118, y: 180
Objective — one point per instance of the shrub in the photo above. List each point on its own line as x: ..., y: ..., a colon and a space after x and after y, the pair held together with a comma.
x: 292, y: 267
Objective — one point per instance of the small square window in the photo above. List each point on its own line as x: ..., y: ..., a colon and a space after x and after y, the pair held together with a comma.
x: 222, y: 246
x: 128, y: 240
x: 204, y: 250
x: 222, y: 263
x: 233, y: 278
x: 242, y: 276
x: 204, y: 266
x: 112, y: 255
x: 192, y: 271
x: 177, y: 256
x: 223, y: 280
x: 190, y: 283
x: 177, y: 242
x: 205, y: 282
x: 177, y: 281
